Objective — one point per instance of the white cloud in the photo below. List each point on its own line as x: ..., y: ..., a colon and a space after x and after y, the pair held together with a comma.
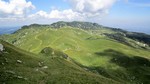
x: 91, y: 7
x: 15, y: 8
x: 56, y: 14
x: 81, y: 9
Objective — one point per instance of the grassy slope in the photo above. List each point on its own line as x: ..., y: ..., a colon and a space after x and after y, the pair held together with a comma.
x: 93, y: 51
x: 31, y: 69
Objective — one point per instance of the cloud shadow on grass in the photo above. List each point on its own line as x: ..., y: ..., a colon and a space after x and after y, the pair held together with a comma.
x: 136, y: 68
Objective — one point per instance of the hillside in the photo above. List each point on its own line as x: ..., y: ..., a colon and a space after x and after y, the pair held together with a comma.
x: 113, y: 53
x: 21, y: 67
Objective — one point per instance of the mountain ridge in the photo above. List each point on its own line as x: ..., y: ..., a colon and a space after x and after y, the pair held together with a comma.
x: 142, y: 37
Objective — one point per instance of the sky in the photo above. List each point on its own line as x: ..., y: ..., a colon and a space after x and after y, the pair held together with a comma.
x: 131, y: 15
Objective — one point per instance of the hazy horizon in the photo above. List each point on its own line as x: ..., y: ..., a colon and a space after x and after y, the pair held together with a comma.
x: 9, y: 29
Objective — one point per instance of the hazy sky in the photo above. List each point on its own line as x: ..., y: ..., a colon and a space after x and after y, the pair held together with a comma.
x: 129, y: 14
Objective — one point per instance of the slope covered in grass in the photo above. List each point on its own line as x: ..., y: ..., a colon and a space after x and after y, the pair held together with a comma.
x: 93, y: 49
x: 21, y: 67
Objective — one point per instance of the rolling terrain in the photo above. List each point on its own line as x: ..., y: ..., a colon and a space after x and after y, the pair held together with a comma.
x: 21, y: 67
x: 104, y: 54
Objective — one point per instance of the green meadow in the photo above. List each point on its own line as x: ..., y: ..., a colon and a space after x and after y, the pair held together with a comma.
x: 95, y: 58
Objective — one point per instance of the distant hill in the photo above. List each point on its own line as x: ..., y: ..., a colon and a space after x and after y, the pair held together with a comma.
x: 88, y: 25
x: 8, y: 30
x: 76, y: 24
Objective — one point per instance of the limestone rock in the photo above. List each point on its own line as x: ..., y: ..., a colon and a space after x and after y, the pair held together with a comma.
x: 1, y: 47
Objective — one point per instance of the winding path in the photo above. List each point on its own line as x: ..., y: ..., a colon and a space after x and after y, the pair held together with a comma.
x: 36, y: 37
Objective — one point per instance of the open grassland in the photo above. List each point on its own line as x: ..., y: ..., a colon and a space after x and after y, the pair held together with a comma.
x: 97, y: 53
x: 21, y: 67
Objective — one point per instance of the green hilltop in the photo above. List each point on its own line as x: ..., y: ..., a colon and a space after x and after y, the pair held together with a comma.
x: 102, y: 54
